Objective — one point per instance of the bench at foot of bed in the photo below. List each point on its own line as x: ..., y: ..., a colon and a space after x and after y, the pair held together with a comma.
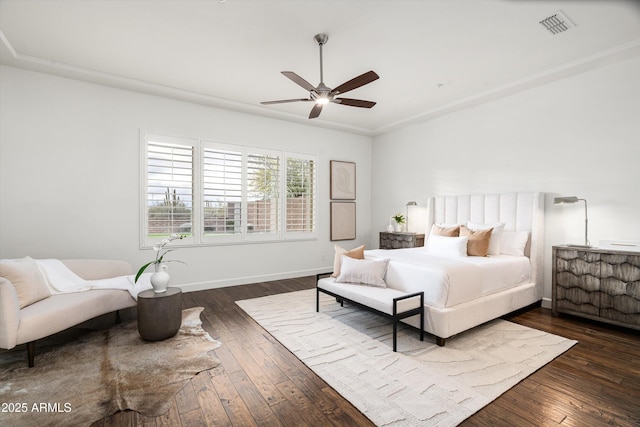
x: 387, y: 302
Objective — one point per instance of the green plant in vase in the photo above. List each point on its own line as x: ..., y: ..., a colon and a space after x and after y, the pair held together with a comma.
x: 399, y: 220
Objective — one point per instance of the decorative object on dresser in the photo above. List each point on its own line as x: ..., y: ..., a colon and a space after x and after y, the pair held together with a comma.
x: 399, y: 222
x: 572, y: 200
x: 599, y: 284
x: 400, y: 240
x: 390, y: 227
x: 620, y: 245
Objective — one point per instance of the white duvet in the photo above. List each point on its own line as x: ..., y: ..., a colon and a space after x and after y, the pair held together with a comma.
x: 448, y: 281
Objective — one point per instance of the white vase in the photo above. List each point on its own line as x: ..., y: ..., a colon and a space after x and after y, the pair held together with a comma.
x: 160, y: 279
x: 398, y: 227
x: 390, y: 228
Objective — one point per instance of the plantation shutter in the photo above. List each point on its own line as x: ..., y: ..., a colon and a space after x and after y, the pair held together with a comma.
x: 301, y: 188
x: 169, y: 182
x: 217, y: 193
x: 263, y: 194
x: 222, y: 192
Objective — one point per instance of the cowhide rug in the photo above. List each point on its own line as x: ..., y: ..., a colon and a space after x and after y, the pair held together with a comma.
x: 103, y: 372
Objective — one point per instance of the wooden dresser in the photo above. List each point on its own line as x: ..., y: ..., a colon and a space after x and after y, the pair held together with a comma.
x: 398, y: 240
x: 600, y: 284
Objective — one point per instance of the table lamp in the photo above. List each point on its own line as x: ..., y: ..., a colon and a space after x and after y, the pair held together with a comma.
x: 572, y: 200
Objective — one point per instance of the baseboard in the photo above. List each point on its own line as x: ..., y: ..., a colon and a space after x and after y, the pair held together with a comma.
x: 223, y: 283
x: 546, y: 302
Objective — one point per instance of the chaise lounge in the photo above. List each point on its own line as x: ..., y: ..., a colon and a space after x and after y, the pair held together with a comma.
x: 29, y: 312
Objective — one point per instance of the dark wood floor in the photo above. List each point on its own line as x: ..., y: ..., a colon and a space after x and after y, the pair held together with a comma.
x: 260, y: 383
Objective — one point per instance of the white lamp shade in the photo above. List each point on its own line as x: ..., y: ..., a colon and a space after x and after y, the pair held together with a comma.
x: 417, y: 219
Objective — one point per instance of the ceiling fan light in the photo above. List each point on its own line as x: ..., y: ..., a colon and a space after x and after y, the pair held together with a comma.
x: 322, y: 100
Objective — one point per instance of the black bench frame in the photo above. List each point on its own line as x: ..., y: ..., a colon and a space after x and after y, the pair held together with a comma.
x: 396, y: 316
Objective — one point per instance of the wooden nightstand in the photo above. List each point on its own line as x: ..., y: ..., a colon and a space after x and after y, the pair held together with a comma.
x: 400, y: 240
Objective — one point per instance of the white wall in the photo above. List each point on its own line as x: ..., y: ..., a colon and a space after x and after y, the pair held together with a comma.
x: 577, y: 136
x: 70, y: 168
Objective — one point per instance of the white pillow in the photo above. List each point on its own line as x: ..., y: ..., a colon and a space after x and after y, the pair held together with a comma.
x: 448, y: 246
x: 448, y: 224
x: 363, y: 271
x: 496, y: 234
x: 514, y: 242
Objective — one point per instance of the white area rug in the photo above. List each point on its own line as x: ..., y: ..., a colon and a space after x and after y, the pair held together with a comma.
x: 420, y: 385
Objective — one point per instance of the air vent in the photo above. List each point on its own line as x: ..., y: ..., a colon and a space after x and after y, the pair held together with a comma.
x: 557, y: 23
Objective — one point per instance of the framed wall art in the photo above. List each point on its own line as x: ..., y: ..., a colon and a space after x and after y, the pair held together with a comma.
x: 343, y: 220
x: 343, y: 180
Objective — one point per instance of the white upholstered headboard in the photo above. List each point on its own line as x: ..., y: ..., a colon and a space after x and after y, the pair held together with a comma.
x: 519, y: 212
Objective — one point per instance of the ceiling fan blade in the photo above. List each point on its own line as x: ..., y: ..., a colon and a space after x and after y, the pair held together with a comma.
x: 299, y: 80
x: 282, y: 101
x: 356, y: 82
x: 315, y: 111
x: 354, y: 102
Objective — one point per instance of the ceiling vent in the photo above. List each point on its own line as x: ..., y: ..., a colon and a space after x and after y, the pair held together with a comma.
x: 557, y: 23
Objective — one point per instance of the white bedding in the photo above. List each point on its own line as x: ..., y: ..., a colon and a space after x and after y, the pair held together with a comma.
x: 448, y: 281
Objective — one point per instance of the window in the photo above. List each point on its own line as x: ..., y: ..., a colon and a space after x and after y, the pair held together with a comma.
x: 263, y: 202
x: 300, y: 194
x: 169, y: 186
x: 221, y: 193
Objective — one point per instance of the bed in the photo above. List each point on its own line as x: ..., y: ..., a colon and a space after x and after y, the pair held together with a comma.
x: 463, y: 292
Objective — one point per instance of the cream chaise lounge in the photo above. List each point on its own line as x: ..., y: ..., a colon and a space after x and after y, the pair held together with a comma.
x: 29, y: 312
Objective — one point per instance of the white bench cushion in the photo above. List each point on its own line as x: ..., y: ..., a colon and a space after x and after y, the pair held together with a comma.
x: 380, y: 299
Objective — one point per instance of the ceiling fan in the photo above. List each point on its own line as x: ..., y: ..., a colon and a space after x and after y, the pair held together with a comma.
x: 322, y: 94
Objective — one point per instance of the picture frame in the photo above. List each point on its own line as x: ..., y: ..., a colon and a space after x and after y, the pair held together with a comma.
x: 343, y: 180
x: 343, y: 220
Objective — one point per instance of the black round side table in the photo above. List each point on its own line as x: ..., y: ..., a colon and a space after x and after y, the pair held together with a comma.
x: 159, y: 315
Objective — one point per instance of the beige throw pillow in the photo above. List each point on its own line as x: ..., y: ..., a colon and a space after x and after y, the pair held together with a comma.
x: 496, y: 234
x: 26, y: 279
x: 356, y: 253
x: 478, y: 244
x: 437, y: 230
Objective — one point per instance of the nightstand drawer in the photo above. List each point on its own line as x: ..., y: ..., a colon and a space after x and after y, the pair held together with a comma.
x: 400, y: 240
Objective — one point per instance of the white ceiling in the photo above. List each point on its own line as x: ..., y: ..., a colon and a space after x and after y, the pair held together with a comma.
x: 433, y: 56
